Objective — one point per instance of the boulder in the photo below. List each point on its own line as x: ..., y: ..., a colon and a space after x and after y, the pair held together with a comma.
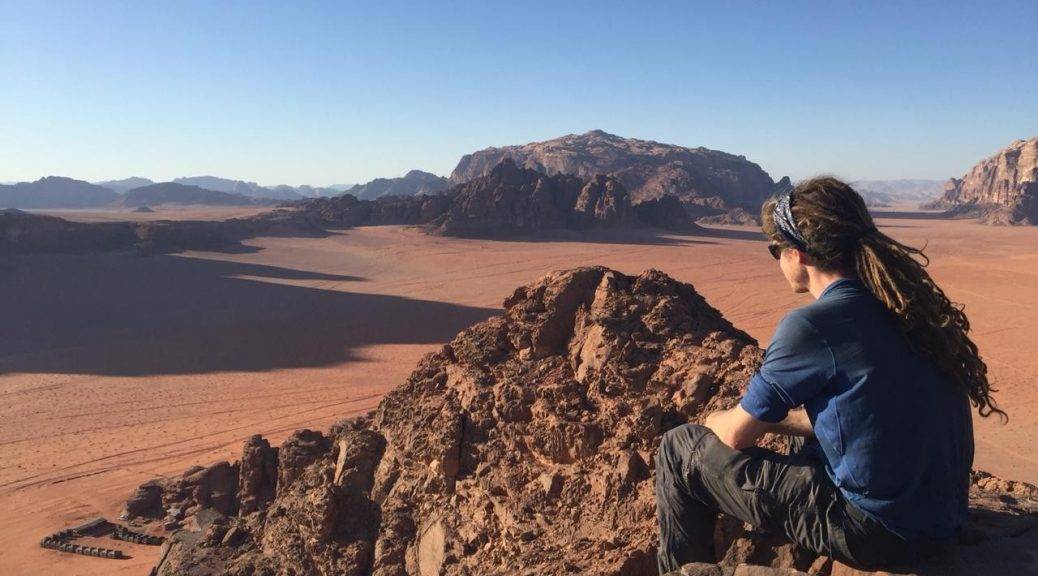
x: 258, y: 475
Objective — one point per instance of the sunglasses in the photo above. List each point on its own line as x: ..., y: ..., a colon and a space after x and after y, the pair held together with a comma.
x: 775, y: 249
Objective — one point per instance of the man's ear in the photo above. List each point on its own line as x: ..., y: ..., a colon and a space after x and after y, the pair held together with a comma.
x: 802, y: 258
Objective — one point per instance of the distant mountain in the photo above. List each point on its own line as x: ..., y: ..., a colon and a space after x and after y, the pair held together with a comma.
x: 174, y: 193
x: 56, y: 192
x: 412, y: 183
x: 253, y: 190
x: 121, y: 186
x: 647, y: 169
x: 889, y: 192
x: 1002, y: 189
x: 250, y: 189
x: 340, y: 187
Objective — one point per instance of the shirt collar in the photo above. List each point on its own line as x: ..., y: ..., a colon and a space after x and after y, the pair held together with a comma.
x: 840, y: 284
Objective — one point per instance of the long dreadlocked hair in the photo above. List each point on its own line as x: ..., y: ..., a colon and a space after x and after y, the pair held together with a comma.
x: 841, y: 235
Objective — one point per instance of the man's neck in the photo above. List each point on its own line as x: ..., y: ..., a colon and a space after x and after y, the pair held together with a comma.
x: 818, y: 281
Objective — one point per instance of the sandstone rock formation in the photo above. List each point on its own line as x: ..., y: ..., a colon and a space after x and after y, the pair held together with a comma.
x: 347, y: 210
x: 507, y: 200
x: 524, y: 446
x: 413, y: 183
x: 1002, y: 189
x: 647, y: 169
x: 527, y: 441
x: 670, y: 213
x: 510, y: 200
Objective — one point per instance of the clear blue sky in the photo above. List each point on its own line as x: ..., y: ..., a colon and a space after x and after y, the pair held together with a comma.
x: 321, y: 92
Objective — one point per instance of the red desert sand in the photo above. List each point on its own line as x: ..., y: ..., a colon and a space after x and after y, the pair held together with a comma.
x: 119, y: 368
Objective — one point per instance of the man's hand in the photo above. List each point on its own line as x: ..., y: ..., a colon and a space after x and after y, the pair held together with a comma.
x: 738, y: 429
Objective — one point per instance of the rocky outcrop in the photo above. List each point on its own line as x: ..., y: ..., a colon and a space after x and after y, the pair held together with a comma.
x: 527, y: 440
x: 1002, y: 189
x: 25, y: 232
x: 258, y: 475
x: 647, y: 169
x: 347, y: 210
x: 525, y: 443
x: 735, y: 216
x: 603, y: 201
x: 303, y: 448
x: 413, y: 183
x: 514, y: 200
x: 669, y: 213
x: 56, y: 192
x: 509, y: 200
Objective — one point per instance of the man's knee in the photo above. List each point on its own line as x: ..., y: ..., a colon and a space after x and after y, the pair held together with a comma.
x: 679, y: 445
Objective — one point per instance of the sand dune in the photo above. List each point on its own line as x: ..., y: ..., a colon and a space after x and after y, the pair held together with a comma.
x: 118, y: 368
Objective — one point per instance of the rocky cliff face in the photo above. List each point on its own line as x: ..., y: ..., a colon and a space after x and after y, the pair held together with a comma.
x: 647, y: 169
x: 1002, y: 189
x: 510, y: 200
x: 347, y: 210
x: 525, y: 445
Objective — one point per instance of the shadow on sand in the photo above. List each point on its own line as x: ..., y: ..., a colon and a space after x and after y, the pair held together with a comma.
x: 636, y: 236
x: 912, y: 215
x: 127, y: 315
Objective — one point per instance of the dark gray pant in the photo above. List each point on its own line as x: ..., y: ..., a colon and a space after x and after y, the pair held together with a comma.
x: 698, y: 476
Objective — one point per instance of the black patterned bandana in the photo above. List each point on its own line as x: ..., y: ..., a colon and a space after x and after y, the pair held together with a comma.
x: 785, y: 223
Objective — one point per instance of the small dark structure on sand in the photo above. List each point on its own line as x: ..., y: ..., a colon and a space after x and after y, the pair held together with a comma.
x: 63, y: 540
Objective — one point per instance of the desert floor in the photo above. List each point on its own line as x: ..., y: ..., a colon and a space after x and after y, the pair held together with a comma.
x: 159, y: 212
x: 118, y: 368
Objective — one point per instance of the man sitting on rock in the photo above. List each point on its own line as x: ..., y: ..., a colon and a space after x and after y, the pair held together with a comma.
x: 873, y: 381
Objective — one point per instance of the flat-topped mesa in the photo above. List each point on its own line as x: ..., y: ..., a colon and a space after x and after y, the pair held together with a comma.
x: 647, y: 169
x: 526, y: 442
x: 1002, y: 189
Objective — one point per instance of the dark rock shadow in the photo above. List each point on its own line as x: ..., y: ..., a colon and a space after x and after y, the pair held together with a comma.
x: 127, y: 315
x: 729, y: 234
x: 634, y: 236
x: 914, y: 215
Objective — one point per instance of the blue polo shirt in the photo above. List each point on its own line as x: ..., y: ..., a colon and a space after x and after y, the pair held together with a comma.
x: 897, y: 435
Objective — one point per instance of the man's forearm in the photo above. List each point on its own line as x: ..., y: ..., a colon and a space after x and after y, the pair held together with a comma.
x: 796, y: 424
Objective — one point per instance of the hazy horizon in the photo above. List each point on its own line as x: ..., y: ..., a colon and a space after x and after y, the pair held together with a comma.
x: 322, y: 95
